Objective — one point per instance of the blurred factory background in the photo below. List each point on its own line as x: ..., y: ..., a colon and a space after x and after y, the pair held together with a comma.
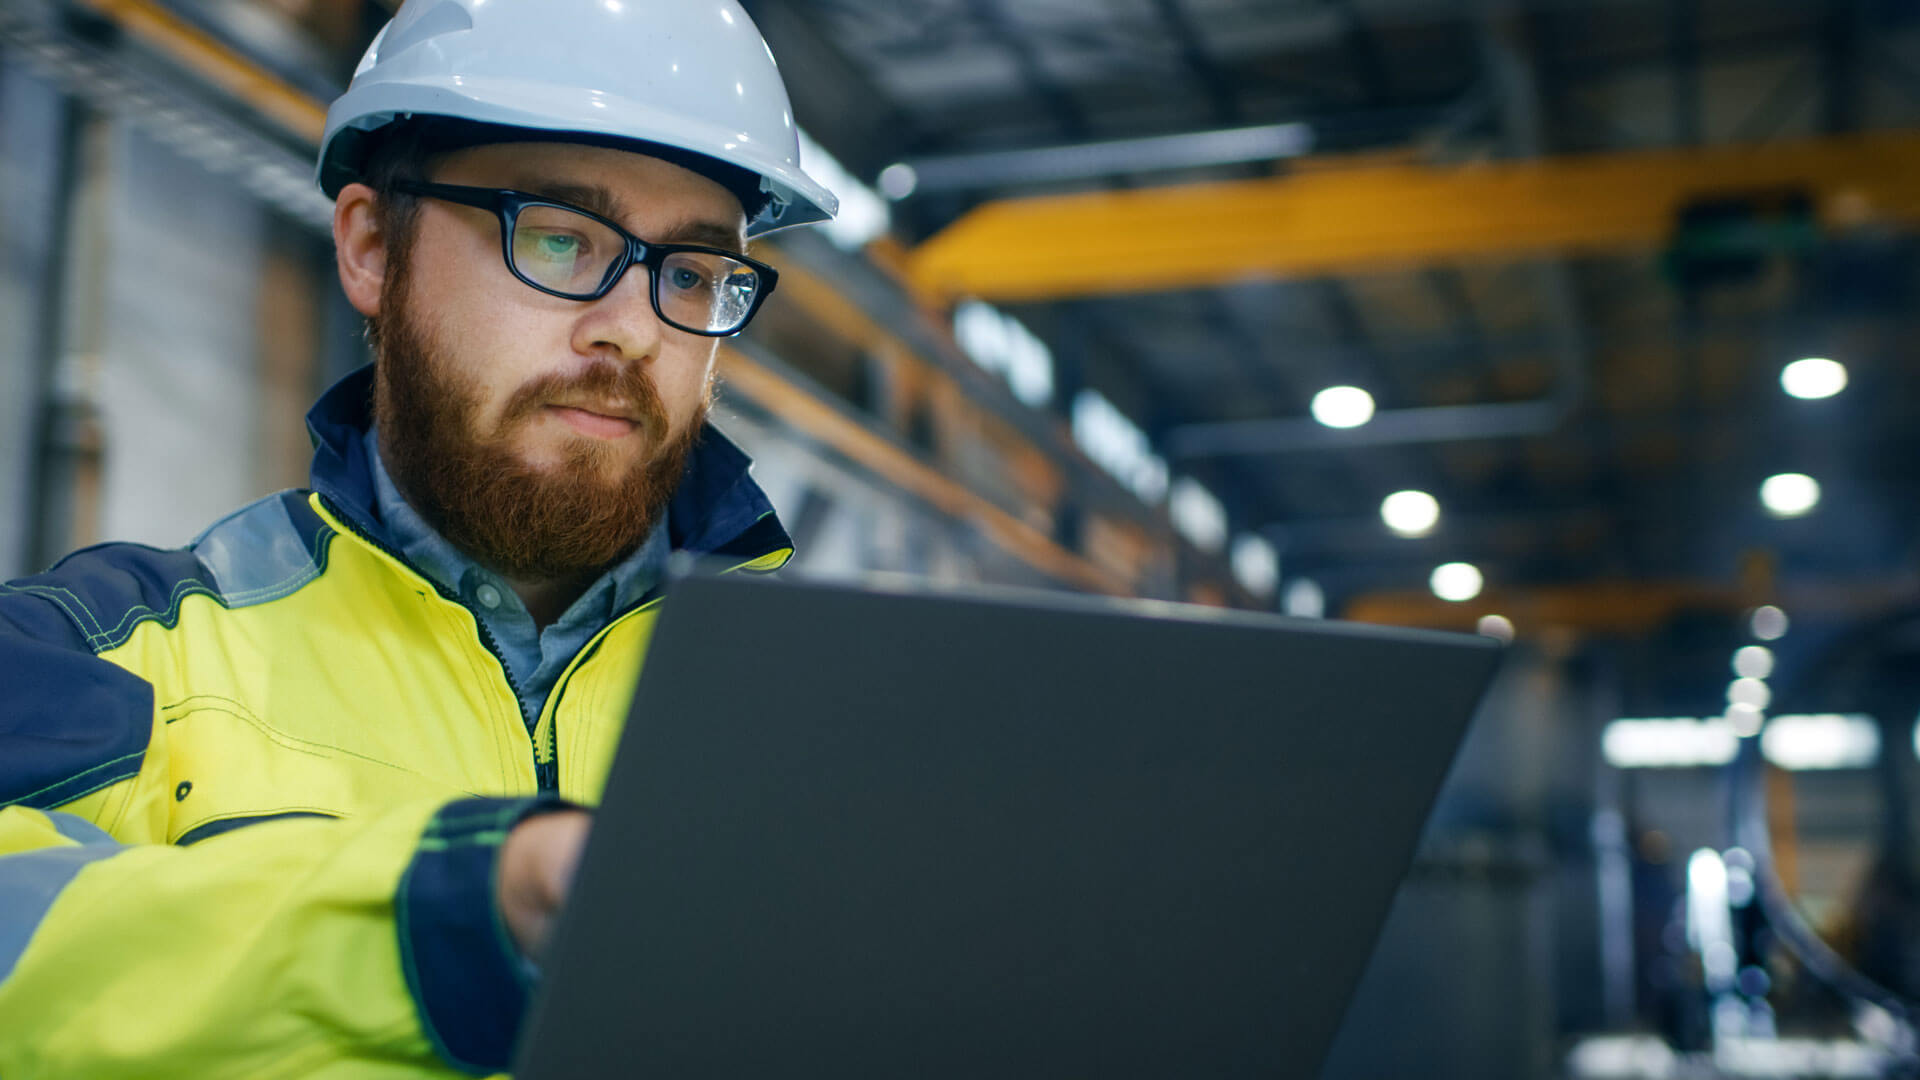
x: 1588, y: 324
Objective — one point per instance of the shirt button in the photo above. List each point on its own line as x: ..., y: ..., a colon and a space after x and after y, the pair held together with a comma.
x: 488, y: 596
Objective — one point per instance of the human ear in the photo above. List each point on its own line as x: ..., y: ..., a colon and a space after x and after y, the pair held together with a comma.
x: 359, y: 247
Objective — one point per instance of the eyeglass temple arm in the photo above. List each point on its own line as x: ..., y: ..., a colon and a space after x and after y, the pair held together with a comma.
x: 482, y: 198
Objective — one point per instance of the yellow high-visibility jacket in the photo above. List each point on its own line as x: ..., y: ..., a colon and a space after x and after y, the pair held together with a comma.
x: 252, y: 791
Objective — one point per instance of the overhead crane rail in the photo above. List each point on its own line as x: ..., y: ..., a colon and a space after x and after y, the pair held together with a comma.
x: 1333, y: 220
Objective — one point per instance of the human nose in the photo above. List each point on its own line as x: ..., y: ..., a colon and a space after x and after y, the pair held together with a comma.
x: 623, y: 321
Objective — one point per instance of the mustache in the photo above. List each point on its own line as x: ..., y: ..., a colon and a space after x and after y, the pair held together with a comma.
x: 602, y: 382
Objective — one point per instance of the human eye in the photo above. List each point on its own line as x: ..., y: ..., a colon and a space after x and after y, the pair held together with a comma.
x: 549, y: 249
x: 558, y: 246
x: 686, y: 278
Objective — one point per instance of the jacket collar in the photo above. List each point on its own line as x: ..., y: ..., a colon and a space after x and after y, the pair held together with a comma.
x: 717, y: 510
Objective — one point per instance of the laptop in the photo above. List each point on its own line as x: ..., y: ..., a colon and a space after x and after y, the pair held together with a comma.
x: 899, y: 833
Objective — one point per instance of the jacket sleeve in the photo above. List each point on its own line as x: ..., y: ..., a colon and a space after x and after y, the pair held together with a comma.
x: 294, y: 947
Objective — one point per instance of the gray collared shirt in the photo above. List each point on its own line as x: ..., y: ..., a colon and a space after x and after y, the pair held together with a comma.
x: 534, y: 658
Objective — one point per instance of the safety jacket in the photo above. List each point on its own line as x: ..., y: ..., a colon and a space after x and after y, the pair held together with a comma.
x: 252, y: 790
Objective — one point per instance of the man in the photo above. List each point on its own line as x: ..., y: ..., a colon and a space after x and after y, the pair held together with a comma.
x: 302, y: 798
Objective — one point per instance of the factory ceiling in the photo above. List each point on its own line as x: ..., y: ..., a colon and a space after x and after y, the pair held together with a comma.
x: 1567, y: 245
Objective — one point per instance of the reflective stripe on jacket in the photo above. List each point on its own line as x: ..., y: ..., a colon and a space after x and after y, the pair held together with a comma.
x: 251, y: 790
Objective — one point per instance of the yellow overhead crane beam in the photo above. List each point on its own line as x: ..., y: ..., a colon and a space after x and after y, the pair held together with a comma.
x: 1338, y: 220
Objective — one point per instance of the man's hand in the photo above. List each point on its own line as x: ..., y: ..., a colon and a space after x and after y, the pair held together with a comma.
x: 536, y: 869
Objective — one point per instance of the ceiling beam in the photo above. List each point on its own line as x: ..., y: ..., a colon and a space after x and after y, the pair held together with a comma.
x: 1049, y: 90
x: 1219, y: 88
x: 1263, y: 144
x: 154, y: 25
x: 1329, y: 220
x: 837, y: 103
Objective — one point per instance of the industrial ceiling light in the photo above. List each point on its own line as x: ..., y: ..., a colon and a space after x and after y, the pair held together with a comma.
x: 1768, y: 623
x: 1669, y: 742
x: 1753, y: 662
x: 1814, y: 377
x: 1304, y: 598
x: 1456, y: 581
x: 1343, y: 406
x: 1752, y: 692
x: 1498, y: 627
x: 1256, y: 565
x: 1410, y: 513
x: 1197, y: 514
x: 898, y: 180
x: 1787, y: 495
x: 1822, y: 741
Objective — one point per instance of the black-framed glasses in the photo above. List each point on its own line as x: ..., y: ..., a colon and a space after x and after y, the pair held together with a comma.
x: 568, y: 252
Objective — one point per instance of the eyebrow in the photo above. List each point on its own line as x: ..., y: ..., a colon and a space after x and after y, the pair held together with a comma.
x: 604, y: 202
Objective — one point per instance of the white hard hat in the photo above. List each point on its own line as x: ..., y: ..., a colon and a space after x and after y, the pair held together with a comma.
x: 688, y: 75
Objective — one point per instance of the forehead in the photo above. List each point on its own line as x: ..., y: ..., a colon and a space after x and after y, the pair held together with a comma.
x: 654, y: 199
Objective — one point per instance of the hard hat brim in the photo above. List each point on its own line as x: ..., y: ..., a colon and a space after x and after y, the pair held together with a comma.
x: 561, y: 111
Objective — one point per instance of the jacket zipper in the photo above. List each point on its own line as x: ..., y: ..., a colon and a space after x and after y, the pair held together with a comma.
x: 546, y: 773
x: 486, y: 636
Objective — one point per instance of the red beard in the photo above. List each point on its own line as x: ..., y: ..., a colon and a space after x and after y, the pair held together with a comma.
x: 527, y: 524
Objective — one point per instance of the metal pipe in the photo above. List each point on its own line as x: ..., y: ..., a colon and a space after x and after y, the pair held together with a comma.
x: 1111, y: 157
x: 1393, y: 427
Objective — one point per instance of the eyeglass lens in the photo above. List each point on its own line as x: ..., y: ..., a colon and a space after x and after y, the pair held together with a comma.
x: 571, y: 253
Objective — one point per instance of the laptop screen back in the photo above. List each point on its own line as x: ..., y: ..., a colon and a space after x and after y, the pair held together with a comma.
x: 859, y: 834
